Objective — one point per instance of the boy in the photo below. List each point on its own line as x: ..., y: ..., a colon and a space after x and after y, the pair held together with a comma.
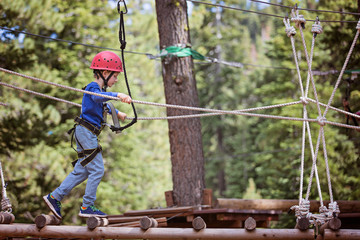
x: 106, y: 66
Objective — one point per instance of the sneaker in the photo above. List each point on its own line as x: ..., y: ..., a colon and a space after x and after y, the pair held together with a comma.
x: 91, y: 211
x: 53, y: 204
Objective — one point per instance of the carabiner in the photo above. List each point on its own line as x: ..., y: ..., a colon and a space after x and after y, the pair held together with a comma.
x: 118, y: 7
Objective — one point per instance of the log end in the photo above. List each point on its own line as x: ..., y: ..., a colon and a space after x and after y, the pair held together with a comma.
x: 198, y: 223
x: 146, y: 223
x: 93, y: 222
x: 334, y: 224
x: 40, y: 221
x: 303, y: 224
x: 250, y: 224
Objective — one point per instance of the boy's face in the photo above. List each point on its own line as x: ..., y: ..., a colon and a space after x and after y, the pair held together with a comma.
x: 113, y: 79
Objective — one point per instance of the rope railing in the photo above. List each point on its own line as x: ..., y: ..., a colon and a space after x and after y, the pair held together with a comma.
x: 212, y: 111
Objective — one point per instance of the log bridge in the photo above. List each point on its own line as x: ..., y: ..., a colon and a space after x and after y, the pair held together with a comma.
x: 82, y: 232
x: 231, y: 219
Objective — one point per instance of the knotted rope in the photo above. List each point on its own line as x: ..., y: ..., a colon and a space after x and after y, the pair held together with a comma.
x: 290, y: 30
x: 298, y: 19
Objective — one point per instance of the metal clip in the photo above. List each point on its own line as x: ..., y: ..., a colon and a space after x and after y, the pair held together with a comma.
x: 118, y: 7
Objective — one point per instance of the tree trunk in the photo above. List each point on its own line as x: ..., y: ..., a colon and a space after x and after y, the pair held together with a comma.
x: 187, y: 156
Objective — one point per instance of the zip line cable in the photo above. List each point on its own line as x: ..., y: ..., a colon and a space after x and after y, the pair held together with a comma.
x: 212, y: 111
x: 68, y: 41
x: 306, y: 9
x: 151, y: 56
x: 262, y: 13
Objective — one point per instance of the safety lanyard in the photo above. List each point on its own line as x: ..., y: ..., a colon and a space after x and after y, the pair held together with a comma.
x: 122, y: 47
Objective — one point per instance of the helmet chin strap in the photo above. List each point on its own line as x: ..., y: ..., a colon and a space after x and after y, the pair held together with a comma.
x: 106, y: 80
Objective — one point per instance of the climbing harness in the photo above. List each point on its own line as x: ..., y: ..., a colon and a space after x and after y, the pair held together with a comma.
x: 5, y: 201
x: 122, y: 41
x: 89, y: 154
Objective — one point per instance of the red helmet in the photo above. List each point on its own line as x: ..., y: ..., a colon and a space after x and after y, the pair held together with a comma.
x: 107, y: 60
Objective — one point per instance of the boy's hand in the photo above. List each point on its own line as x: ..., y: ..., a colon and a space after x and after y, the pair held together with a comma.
x: 121, y: 116
x: 124, y: 98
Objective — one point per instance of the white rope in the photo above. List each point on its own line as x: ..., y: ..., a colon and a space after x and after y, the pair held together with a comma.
x: 39, y: 94
x: 335, y: 109
x: 300, y: 23
x: 298, y: 19
x: 313, y: 168
x: 309, y: 65
x: 327, y: 167
x: 161, y: 104
x: 343, y: 68
x: 316, y: 30
x: 148, y: 118
x: 290, y: 32
x: 215, y: 112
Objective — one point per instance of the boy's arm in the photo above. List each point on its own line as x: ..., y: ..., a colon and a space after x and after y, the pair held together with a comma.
x: 123, y: 97
x: 120, y: 115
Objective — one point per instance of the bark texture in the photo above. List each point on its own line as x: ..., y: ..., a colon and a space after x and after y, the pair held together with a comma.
x: 187, y: 156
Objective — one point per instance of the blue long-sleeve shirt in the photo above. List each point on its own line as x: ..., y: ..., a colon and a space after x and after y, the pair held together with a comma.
x: 92, y: 106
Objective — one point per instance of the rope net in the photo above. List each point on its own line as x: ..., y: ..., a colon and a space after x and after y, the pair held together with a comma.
x: 303, y: 209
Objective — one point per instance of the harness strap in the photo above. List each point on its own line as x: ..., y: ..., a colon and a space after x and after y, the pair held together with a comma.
x: 90, y: 153
x: 116, y: 127
x: 88, y: 125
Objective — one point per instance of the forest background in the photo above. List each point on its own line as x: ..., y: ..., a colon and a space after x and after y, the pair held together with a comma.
x: 245, y: 157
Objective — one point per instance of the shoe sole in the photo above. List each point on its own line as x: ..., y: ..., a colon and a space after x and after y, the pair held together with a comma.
x: 50, y: 206
x: 86, y: 215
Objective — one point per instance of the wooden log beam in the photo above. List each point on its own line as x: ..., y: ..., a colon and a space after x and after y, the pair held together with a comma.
x: 6, y: 218
x: 146, y: 223
x: 30, y: 230
x: 347, y: 234
x: 94, y: 222
x: 43, y: 220
x: 283, y: 205
x: 303, y: 224
x: 333, y: 224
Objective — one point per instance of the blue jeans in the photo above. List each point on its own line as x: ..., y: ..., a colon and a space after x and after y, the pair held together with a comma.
x: 93, y: 171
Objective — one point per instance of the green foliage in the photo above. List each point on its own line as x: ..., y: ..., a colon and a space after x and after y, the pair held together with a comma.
x: 33, y: 130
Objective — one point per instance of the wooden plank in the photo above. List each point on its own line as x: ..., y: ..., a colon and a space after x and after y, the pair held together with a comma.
x: 160, y: 211
x: 237, y: 211
x: 123, y: 219
x: 207, y: 197
x: 282, y: 205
